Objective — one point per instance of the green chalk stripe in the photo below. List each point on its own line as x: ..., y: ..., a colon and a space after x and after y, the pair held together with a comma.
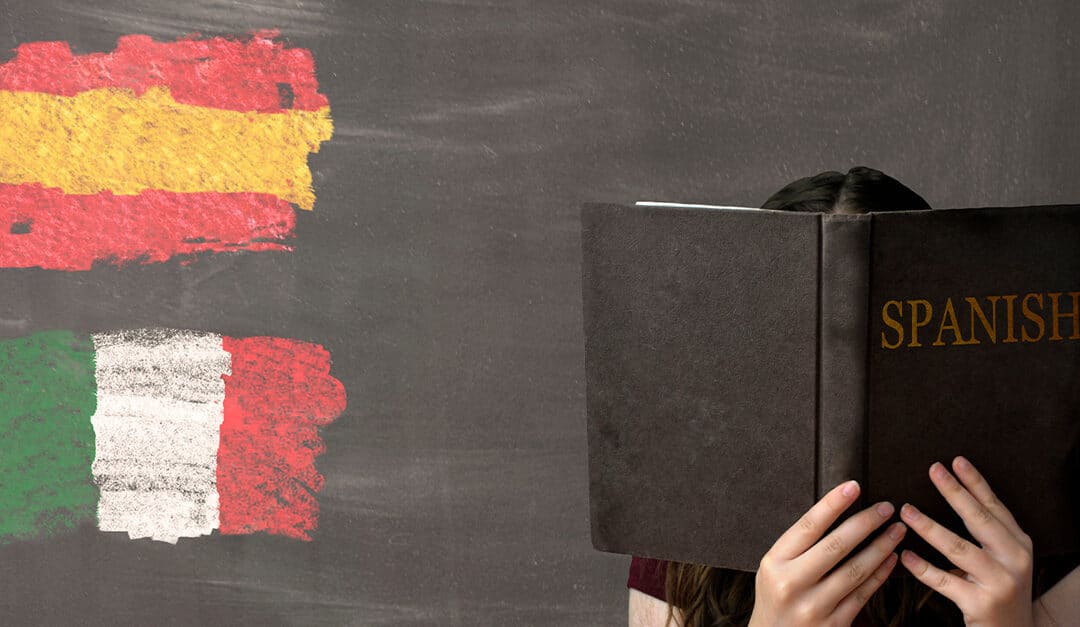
x: 47, y: 396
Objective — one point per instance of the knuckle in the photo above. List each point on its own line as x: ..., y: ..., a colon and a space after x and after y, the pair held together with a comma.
x: 1010, y: 587
x: 1025, y: 563
x: 807, y: 524
x: 1001, y: 595
x: 959, y: 546
x: 765, y: 581
x: 941, y: 581
x: 766, y: 564
x: 805, y: 614
x: 783, y: 590
x: 834, y: 544
x: 854, y: 570
x: 983, y: 515
x: 924, y: 569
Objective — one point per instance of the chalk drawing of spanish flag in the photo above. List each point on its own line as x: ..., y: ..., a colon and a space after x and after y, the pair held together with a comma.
x: 155, y: 150
x: 162, y: 433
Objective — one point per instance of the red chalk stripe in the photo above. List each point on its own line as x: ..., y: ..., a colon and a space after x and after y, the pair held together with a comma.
x: 279, y: 392
x: 259, y: 74
x: 46, y: 228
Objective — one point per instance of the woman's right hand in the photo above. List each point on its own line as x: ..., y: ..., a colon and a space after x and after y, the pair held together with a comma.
x: 791, y: 587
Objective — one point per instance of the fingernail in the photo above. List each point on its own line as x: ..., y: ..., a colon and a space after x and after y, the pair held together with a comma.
x: 938, y: 470
x: 850, y: 487
x: 908, y: 511
x: 885, y: 509
x: 896, y: 531
x: 910, y: 558
x: 962, y: 463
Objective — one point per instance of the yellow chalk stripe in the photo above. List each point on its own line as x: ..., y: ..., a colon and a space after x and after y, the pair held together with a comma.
x: 110, y: 139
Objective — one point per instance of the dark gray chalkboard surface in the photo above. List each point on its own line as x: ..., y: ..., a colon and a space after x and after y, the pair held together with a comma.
x: 441, y: 265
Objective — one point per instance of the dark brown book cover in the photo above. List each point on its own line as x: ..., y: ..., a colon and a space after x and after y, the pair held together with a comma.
x: 739, y: 363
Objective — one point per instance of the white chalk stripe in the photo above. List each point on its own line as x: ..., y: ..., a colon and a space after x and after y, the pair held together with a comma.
x: 157, y: 427
x: 165, y: 515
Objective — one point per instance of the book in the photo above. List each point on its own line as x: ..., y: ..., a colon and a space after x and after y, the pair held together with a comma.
x: 740, y: 363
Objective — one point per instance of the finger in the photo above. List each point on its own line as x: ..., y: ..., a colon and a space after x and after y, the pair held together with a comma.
x: 978, y: 519
x: 810, y: 527
x: 980, y: 489
x: 852, y: 573
x: 812, y: 565
x: 959, y: 551
x: 849, y: 608
x: 959, y: 572
x: 944, y: 583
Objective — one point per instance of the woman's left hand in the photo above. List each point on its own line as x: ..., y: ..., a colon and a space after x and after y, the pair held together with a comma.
x: 992, y: 585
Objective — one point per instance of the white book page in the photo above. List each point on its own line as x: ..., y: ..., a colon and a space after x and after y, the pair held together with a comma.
x: 654, y: 203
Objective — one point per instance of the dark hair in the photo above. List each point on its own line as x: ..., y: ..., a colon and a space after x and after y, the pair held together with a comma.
x: 713, y: 597
x: 861, y: 190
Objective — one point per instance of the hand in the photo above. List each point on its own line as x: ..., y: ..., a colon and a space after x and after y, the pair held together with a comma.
x: 992, y: 585
x: 791, y: 588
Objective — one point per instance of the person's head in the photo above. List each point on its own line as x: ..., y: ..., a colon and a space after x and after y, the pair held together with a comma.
x: 861, y: 190
x: 717, y: 596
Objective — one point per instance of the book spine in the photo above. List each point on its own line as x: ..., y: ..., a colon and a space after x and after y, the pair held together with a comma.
x: 843, y: 298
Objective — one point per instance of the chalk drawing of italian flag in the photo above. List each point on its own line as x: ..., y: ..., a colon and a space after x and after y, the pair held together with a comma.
x: 156, y: 150
x: 162, y: 433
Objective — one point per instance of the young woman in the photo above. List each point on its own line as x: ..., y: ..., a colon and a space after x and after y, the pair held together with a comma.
x: 793, y: 587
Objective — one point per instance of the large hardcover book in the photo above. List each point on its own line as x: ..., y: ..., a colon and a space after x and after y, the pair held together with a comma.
x: 740, y: 363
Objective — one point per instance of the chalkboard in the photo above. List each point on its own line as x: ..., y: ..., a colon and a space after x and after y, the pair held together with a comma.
x: 440, y: 265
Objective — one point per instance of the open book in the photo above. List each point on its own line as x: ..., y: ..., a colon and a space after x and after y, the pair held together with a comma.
x: 740, y: 363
